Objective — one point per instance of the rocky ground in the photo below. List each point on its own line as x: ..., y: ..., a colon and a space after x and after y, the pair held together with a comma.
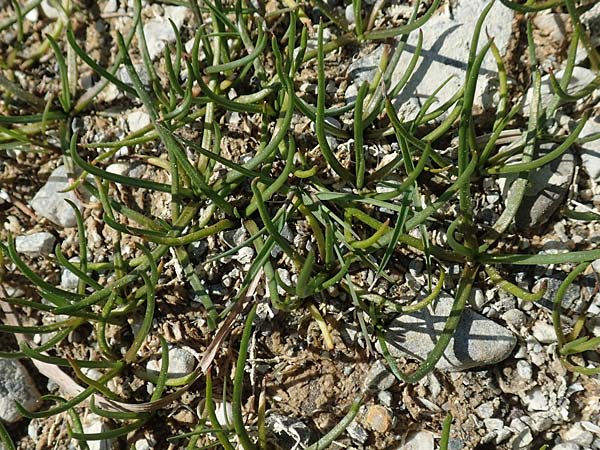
x: 500, y: 376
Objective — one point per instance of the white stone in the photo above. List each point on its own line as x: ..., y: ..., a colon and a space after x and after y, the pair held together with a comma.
x: 118, y: 168
x: 181, y: 363
x: 580, y: 78
x: 224, y: 413
x: 477, y: 342
x: 159, y: 31
x: 16, y: 385
x: 535, y: 400
x: 49, y: 11
x: 49, y: 201
x: 544, y: 332
x: 136, y: 120
x: 35, y: 244
x: 94, y: 424
x: 590, y: 151
x: 68, y: 280
x: 33, y: 15
x: 493, y: 424
x: 566, y: 446
x: 524, y: 370
x: 485, y: 410
x: 422, y: 440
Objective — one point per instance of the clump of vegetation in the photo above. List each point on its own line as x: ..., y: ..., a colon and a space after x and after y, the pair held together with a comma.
x: 359, y: 214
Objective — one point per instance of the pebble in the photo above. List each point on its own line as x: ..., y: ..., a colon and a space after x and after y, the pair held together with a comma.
x: 477, y: 342
x: 379, y: 419
x: 118, y: 168
x: 535, y: 400
x: 566, y: 446
x: 524, y: 370
x: 422, y: 440
x: 136, y: 120
x: 591, y: 19
x: 181, y: 363
x: 94, y: 424
x: 159, y: 32
x: 379, y: 377
x: 485, y: 410
x: 35, y: 244
x: 579, y: 435
x: 590, y: 151
x: 514, y: 317
x: 49, y: 201
x: 493, y: 424
x: 357, y: 433
x: 16, y: 385
x: 68, y: 280
x: 544, y: 332
x: 291, y: 433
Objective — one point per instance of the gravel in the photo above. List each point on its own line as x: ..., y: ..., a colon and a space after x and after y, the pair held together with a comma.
x: 478, y: 341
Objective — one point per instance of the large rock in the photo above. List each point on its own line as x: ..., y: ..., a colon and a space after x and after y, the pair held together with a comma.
x: 477, y: 342
x: 49, y: 202
x: 546, y: 190
x: 16, y: 385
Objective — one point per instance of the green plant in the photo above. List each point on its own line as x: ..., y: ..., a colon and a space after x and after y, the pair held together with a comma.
x: 358, y: 214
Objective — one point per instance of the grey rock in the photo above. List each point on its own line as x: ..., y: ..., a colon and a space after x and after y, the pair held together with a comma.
x: 591, y: 19
x: 49, y: 202
x: 68, y: 280
x: 477, y: 342
x: 16, y: 385
x: 590, y: 151
x: 579, y: 435
x: 580, y: 78
x: 514, y: 317
x: 566, y: 446
x: 546, y: 190
x: 485, y: 410
x: 535, y: 400
x: 524, y: 370
x: 422, y: 440
x: 379, y: 377
x: 95, y: 424
x: 291, y: 433
x: 35, y: 244
x: 446, y: 41
x: 181, y: 363
x: 357, y: 433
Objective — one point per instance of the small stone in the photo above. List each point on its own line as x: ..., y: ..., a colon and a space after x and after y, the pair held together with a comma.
x: 385, y: 398
x: 136, y: 120
x: 493, y: 424
x: 224, y: 413
x: 590, y: 151
x: 118, y: 168
x: 535, y: 400
x: 349, y: 13
x: 159, y: 31
x: 291, y: 433
x: 35, y: 244
x: 143, y: 444
x: 357, y: 433
x: 477, y: 342
x: 181, y: 363
x: 49, y: 201
x: 379, y: 419
x: 379, y: 377
x: 485, y: 410
x: 422, y: 440
x: 185, y: 416
x: 523, y: 439
x: 94, y: 424
x: 579, y: 435
x: 514, y: 317
x: 591, y: 19
x: 68, y: 280
x: 49, y: 11
x: 566, y: 446
x: 16, y: 385
x: 524, y: 370
x: 544, y: 332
